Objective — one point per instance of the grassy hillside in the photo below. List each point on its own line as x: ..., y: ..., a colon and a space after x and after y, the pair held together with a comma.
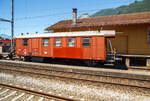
x: 138, y: 6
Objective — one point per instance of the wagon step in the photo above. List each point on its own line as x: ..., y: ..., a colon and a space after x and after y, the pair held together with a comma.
x: 110, y: 61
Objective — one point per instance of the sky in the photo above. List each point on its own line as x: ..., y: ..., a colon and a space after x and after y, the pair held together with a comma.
x: 35, y: 15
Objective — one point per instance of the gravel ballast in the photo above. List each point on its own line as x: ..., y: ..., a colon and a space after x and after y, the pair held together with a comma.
x: 87, y: 91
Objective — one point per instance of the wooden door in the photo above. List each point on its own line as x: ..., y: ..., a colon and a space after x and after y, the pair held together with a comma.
x: 120, y: 43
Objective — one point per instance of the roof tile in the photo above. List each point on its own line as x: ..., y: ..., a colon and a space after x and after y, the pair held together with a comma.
x: 123, y: 19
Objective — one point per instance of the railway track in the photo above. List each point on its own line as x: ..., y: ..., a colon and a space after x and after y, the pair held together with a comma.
x: 40, y: 96
x: 46, y: 72
x: 78, y: 76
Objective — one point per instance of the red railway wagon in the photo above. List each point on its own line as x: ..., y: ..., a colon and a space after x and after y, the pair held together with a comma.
x: 87, y: 45
x: 5, y: 41
x: 4, y: 46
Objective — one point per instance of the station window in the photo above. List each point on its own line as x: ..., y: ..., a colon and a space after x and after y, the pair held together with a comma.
x: 25, y: 42
x: 148, y: 36
x: 86, y: 42
x: 58, y: 42
x: 51, y: 31
x: 71, y: 42
x: 45, y: 42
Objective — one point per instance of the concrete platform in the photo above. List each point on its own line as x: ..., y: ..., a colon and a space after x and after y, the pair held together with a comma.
x: 4, y: 55
x: 133, y: 74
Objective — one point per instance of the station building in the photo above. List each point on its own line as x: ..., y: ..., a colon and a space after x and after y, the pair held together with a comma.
x: 132, y: 41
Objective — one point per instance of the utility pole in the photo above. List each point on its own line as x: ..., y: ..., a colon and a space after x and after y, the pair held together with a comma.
x: 12, y: 25
x: 135, y: 1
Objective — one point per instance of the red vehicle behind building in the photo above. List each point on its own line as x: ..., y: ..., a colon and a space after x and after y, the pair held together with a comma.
x: 4, y: 46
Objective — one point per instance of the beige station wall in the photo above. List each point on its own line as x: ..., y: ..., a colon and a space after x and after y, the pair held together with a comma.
x: 0, y: 49
x: 131, y: 39
x: 138, y: 40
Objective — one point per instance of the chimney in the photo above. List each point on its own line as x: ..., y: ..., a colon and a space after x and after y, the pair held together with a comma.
x: 74, y: 19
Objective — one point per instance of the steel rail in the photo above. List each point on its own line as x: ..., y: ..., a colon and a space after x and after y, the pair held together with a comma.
x: 46, y: 95
x: 38, y: 67
x: 24, y: 72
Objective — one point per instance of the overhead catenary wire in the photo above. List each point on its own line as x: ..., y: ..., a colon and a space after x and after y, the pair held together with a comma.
x: 64, y: 13
x: 125, y: 1
x: 57, y: 16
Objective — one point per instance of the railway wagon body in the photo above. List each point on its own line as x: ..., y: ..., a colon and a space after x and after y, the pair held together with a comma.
x: 4, y: 46
x: 88, y: 45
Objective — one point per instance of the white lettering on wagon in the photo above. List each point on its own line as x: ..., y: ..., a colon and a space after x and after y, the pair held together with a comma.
x: 25, y: 51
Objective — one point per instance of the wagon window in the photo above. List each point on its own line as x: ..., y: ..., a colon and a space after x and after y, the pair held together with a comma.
x: 149, y: 36
x: 25, y: 42
x: 45, y: 42
x: 86, y: 42
x: 71, y: 42
x: 57, y: 42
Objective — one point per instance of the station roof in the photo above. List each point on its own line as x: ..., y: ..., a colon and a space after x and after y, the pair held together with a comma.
x: 115, y: 20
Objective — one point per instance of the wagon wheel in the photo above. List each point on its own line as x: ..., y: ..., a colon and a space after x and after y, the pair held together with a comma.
x: 120, y: 65
x: 27, y: 58
x: 90, y: 63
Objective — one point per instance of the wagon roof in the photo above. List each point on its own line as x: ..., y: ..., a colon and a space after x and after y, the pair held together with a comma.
x: 123, y: 19
x: 69, y: 34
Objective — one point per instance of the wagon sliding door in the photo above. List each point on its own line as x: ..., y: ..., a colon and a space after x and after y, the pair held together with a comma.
x: 87, y: 45
x: 46, y: 47
x: 35, y: 47
x: 73, y: 50
x: 93, y: 48
x: 98, y: 48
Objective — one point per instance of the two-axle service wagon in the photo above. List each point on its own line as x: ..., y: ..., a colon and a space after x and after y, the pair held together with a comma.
x: 87, y: 46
